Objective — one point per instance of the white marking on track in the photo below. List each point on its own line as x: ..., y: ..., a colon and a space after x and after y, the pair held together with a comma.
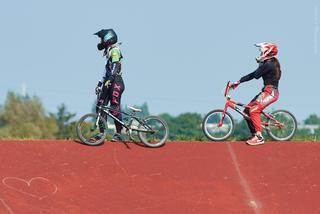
x: 252, y: 202
x: 115, y: 159
x: 10, y: 211
x: 40, y: 197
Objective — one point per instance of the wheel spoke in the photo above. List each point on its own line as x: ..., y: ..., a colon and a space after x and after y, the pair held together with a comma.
x: 282, y: 126
x: 89, y: 132
x: 155, y: 132
x: 213, y: 128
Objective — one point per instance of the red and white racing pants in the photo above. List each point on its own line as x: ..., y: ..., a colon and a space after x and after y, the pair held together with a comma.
x: 268, y: 96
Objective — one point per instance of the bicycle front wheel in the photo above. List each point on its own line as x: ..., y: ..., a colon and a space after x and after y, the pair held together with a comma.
x: 211, y: 128
x: 92, y: 129
x: 282, y: 126
x: 153, y: 131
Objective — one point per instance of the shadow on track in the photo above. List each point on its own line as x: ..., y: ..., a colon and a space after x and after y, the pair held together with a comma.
x: 126, y: 143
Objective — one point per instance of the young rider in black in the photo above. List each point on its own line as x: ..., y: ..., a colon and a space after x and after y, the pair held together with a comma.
x: 111, y: 86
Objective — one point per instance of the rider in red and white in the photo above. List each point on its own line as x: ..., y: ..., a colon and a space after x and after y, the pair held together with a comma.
x: 269, y: 70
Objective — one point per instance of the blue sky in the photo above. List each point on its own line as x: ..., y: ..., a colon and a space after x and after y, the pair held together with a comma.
x: 178, y: 55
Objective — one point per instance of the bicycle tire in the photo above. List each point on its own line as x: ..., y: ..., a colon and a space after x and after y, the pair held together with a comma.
x: 210, y: 129
x: 157, y: 139
x: 83, y: 125
x: 277, y: 134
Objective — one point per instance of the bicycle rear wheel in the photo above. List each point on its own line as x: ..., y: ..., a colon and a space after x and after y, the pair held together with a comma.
x: 282, y: 126
x: 88, y: 129
x: 211, y: 128
x: 154, y: 131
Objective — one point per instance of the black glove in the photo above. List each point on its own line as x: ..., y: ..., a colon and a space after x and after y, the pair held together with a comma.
x: 98, y: 88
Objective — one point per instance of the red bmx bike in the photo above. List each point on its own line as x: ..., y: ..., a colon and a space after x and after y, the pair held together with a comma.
x: 218, y: 125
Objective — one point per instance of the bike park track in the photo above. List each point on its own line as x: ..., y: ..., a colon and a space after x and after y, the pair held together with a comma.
x: 66, y: 177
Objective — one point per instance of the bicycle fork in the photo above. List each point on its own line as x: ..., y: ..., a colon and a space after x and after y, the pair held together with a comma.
x: 98, y: 122
x: 224, y: 112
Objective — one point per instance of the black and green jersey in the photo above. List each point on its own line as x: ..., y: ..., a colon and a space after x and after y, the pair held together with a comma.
x: 115, y: 54
x: 113, y: 66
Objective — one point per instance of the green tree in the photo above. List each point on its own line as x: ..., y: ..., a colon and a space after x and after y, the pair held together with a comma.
x: 25, y: 117
x: 186, y: 126
x: 2, y: 122
x: 63, y: 119
x: 241, y: 131
x: 171, y: 124
x: 313, y: 119
x: 303, y: 134
x: 316, y: 135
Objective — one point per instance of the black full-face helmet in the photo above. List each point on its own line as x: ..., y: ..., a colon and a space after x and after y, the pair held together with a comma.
x: 108, y: 37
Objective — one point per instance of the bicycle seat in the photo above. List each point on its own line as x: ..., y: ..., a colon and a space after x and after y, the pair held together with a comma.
x: 134, y: 109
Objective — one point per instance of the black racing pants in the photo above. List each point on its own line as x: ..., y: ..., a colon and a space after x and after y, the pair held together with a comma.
x: 113, y: 94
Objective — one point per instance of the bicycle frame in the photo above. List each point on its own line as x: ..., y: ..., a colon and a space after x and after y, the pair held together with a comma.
x: 132, y: 116
x: 234, y: 105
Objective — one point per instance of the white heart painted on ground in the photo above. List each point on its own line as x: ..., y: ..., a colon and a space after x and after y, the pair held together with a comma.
x: 37, y: 187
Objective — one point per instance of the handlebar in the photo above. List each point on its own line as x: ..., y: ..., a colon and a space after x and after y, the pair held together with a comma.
x: 226, y: 94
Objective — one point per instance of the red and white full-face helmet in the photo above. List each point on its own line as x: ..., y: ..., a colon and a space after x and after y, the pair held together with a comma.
x: 267, y: 51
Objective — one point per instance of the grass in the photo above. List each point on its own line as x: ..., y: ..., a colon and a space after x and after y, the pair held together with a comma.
x: 309, y: 138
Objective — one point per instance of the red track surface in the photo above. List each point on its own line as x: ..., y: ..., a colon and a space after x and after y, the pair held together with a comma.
x: 49, y: 177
